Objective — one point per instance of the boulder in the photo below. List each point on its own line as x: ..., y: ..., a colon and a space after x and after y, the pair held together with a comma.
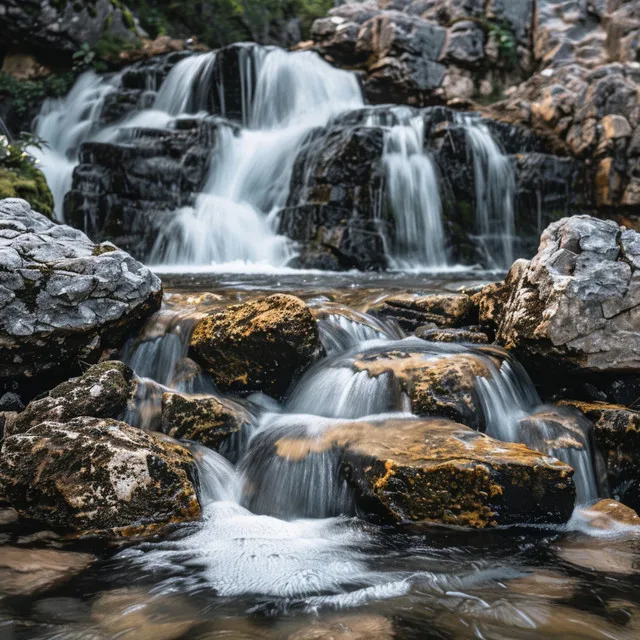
x: 102, y: 391
x: 27, y: 572
x: 446, y: 310
x: 437, y: 471
x: 260, y: 345
x: 437, y: 385
x: 469, y: 335
x: 63, y: 299
x: 209, y: 420
x: 93, y: 474
x: 617, y: 434
x: 607, y: 514
x: 576, y: 305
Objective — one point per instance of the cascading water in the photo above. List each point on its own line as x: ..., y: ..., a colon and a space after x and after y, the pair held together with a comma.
x: 495, y: 186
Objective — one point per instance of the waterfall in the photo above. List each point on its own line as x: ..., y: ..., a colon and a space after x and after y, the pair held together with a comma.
x: 65, y: 124
x: 495, y: 186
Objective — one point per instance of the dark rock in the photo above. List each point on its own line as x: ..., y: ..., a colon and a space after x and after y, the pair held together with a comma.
x: 437, y: 471
x: 214, y: 422
x: 11, y: 402
x: 465, y: 43
x: 93, y: 474
x: 27, y: 572
x: 261, y: 345
x: 63, y: 299
x: 103, y: 391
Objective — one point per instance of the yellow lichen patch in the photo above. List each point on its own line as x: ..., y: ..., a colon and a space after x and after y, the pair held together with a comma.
x: 382, y: 481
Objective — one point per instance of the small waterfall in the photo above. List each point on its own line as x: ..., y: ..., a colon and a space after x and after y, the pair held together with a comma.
x: 414, y: 197
x: 495, y: 185
x: 234, y: 217
x: 65, y: 124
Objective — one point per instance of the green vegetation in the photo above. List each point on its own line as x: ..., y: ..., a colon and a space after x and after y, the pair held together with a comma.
x: 19, y: 176
x: 25, y: 93
x: 220, y: 22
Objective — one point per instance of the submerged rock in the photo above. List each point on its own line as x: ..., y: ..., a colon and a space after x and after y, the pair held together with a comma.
x: 208, y: 420
x: 93, y: 474
x: 617, y: 434
x: 102, y: 391
x: 576, y: 305
x: 261, y: 345
x: 26, y: 572
x: 437, y: 471
x: 63, y: 299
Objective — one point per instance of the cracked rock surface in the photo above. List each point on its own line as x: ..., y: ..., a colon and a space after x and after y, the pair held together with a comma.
x: 577, y: 302
x: 63, y: 299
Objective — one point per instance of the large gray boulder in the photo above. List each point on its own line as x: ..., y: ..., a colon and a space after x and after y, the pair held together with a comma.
x: 92, y: 474
x: 63, y: 299
x: 577, y: 303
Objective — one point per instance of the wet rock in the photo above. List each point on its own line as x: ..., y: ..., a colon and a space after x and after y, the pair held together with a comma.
x: 607, y: 514
x: 451, y: 335
x: 446, y: 310
x: 437, y: 471
x: 441, y: 386
x: 103, y: 391
x: 65, y: 26
x: 208, y: 420
x: 7, y: 516
x: 465, y: 43
x: 63, y: 299
x: 617, y: 434
x: 95, y: 474
x: 26, y: 572
x: 261, y: 345
x: 575, y: 306
x: 618, y: 556
x: 347, y: 627
x: 11, y: 402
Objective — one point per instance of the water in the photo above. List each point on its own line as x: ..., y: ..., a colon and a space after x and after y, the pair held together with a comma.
x: 495, y: 186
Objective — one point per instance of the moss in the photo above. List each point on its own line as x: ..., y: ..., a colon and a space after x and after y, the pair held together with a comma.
x: 27, y: 183
x: 101, y: 249
x: 129, y: 22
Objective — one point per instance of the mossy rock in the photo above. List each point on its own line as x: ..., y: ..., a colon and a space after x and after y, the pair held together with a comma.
x: 27, y: 183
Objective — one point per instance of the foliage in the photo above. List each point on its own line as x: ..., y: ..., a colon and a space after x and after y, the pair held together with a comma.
x: 507, y: 43
x: 19, y: 175
x: 25, y: 93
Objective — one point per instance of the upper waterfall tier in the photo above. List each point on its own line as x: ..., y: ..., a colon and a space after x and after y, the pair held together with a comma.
x: 257, y: 155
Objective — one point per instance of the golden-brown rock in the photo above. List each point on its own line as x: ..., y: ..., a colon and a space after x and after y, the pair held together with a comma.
x: 437, y: 471
x: 261, y: 345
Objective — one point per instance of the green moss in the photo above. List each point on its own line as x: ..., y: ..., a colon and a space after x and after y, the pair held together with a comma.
x: 129, y: 22
x: 27, y: 183
x: 101, y: 249
x: 23, y: 95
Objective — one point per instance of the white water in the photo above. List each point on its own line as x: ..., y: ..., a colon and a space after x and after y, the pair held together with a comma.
x: 495, y: 186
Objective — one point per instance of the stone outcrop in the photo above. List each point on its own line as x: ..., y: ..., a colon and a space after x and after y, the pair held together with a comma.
x: 437, y: 471
x: 261, y: 345
x: 617, y: 434
x: 92, y: 474
x: 63, y: 26
x: 576, y: 305
x: 103, y: 391
x: 63, y: 299
x: 208, y: 420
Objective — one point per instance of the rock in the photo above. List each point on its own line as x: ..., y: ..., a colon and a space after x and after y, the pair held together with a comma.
x: 346, y: 627
x: 606, y: 514
x: 465, y: 43
x: 441, y: 386
x: 446, y: 310
x: 261, y: 345
x: 64, y: 26
x: 27, y: 572
x: 63, y: 299
x: 23, y: 66
x: 437, y: 471
x: 451, y: 335
x: 8, y: 516
x: 11, y: 402
x: 576, y: 305
x: 617, y: 434
x: 208, y: 420
x: 103, y: 391
x: 94, y: 474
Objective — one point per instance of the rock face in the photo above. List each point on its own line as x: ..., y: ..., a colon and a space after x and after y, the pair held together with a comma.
x: 63, y: 298
x: 617, y: 434
x: 577, y: 303
x: 103, y: 391
x: 93, y: 474
x: 437, y: 471
x: 26, y: 572
x: 65, y: 26
x: 260, y: 345
x: 213, y: 422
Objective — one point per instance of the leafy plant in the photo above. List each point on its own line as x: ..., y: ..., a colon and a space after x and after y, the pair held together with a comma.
x: 507, y: 43
x: 24, y: 94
